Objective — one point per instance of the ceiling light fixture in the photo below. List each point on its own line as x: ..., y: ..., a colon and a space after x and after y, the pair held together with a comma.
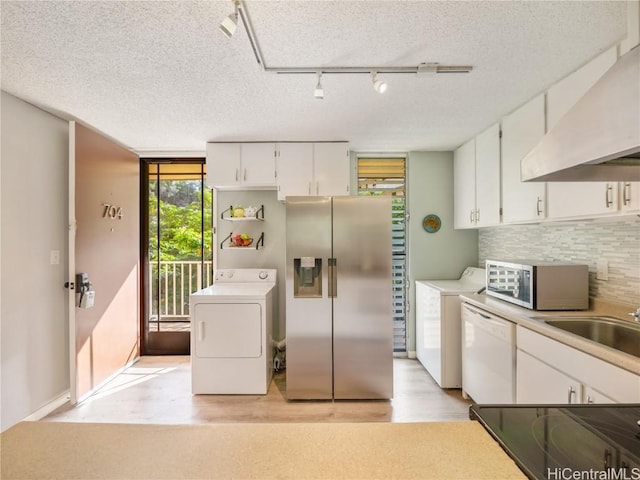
x: 379, y: 86
x: 319, y: 91
x: 229, y: 25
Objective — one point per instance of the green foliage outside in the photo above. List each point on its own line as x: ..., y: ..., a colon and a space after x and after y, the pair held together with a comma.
x: 181, y: 235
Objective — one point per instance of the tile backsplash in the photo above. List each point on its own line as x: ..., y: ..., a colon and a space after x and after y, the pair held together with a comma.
x: 616, y: 240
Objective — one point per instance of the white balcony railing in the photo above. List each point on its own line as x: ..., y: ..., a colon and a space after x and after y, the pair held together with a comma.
x: 171, y: 284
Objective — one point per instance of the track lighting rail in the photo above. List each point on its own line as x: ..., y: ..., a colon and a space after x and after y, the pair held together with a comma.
x: 367, y: 70
x: 228, y: 27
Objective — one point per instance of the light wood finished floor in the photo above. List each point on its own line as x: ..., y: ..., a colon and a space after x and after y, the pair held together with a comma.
x: 158, y: 390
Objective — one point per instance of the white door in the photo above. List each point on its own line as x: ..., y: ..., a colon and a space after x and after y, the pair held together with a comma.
x: 223, y: 164
x: 295, y: 169
x: 331, y: 169
x: 258, y: 162
x: 464, y: 185
x: 521, y: 131
x: 487, y: 178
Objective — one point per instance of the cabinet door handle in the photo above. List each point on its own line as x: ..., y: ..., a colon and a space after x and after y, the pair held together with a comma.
x: 477, y: 215
x: 244, y: 175
x: 626, y: 194
x: 236, y: 174
x: 570, y: 394
x: 309, y: 188
x: 589, y: 399
x: 607, y: 197
x: 317, y: 187
x: 471, y: 216
x: 538, y: 209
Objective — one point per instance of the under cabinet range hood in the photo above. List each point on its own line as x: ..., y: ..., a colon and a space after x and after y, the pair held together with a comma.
x: 599, y: 138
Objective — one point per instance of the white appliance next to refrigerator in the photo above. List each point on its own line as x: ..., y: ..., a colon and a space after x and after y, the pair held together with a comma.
x: 339, y: 298
x: 231, y: 323
x: 438, y: 324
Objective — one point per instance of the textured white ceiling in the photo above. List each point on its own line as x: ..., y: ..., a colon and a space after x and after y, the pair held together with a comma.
x: 159, y: 75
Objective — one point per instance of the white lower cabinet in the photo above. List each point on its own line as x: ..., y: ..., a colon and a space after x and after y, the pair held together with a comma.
x: 537, y: 382
x: 548, y: 371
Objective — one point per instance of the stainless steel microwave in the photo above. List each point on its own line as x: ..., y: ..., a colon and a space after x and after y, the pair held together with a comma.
x: 539, y: 285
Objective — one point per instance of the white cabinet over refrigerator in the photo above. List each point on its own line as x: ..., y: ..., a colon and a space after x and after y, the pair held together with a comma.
x: 438, y: 338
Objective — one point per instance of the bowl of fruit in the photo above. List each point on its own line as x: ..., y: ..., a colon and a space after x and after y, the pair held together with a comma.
x: 241, y: 240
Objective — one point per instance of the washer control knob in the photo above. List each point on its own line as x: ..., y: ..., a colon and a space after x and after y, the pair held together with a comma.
x: 263, y: 275
x: 230, y: 274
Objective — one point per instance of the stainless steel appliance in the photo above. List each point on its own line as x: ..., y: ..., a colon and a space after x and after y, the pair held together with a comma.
x: 339, y: 298
x: 539, y: 285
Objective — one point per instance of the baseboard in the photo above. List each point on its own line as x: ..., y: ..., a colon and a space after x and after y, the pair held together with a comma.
x: 412, y: 354
x: 48, y: 408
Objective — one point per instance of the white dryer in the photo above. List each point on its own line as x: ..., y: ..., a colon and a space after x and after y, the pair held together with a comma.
x: 231, y: 333
x: 438, y: 324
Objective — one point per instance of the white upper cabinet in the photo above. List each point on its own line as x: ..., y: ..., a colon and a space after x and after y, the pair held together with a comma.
x: 488, y: 177
x: 295, y: 169
x: 464, y: 185
x: 521, y: 131
x: 238, y: 165
x: 577, y: 199
x: 258, y: 162
x: 312, y: 169
x: 629, y: 197
x: 331, y: 168
x: 476, y: 181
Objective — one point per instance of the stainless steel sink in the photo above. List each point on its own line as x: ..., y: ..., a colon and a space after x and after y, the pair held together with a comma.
x: 611, y: 332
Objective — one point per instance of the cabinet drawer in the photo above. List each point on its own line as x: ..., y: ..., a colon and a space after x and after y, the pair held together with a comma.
x: 617, y: 383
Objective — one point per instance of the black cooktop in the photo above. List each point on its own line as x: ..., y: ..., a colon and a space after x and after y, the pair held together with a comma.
x: 557, y: 442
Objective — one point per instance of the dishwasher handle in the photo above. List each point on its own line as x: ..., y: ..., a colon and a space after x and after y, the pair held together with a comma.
x: 494, y: 325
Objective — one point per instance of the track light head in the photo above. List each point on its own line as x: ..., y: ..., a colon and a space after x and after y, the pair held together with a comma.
x: 379, y: 86
x: 229, y: 25
x: 319, y: 91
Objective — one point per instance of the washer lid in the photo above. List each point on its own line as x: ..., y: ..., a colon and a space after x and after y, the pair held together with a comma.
x: 472, y: 280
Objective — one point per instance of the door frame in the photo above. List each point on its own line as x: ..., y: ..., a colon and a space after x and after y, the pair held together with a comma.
x: 160, y: 343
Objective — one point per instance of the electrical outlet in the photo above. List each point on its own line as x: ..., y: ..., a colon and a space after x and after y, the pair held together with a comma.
x: 54, y: 257
x: 602, y: 272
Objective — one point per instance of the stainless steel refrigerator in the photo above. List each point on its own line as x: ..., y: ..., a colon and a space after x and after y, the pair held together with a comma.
x: 339, y: 298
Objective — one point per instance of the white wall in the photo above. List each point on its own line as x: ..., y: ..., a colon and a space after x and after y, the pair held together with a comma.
x: 33, y: 191
x: 273, y: 253
x: 446, y: 253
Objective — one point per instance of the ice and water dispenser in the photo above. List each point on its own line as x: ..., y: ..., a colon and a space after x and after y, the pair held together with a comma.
x: 307, y: 277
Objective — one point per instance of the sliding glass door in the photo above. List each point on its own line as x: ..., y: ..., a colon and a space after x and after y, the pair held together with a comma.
x: 176, y: 250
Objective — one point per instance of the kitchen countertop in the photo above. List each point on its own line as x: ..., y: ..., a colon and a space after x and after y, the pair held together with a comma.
x: 523, y: 317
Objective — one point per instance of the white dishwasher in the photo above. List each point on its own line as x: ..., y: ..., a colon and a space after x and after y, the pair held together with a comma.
x: 488, y: 357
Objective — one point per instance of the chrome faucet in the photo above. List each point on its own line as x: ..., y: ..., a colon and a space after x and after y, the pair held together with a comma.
x: 636, y: 315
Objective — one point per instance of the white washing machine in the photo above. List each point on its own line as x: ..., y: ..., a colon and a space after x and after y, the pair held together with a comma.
x: 231, y: 337
x: 438, y: 324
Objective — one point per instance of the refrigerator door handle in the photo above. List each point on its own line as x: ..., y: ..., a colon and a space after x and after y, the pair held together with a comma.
x: 333, y: 278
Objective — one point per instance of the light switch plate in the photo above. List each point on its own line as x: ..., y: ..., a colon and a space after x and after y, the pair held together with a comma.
x: 54, y: 257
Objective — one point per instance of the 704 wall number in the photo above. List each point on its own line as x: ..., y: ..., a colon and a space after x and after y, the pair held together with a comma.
x: 111, y: 211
